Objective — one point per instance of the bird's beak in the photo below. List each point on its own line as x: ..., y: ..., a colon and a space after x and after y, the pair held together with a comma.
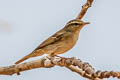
x: 87, y: 23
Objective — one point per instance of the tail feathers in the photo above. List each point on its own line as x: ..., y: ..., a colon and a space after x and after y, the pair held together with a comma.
x: 24, y: 58
x: 33, y: 54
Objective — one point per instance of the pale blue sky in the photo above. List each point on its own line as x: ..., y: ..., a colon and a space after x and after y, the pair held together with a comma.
x: 24, y: 24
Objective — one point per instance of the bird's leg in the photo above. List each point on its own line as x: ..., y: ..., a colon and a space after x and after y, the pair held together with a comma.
x: 53, y: 55
x: 59, y: 56
x: 50, y: 55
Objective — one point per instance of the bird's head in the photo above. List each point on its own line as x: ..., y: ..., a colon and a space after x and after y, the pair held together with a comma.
x: 75, y: 25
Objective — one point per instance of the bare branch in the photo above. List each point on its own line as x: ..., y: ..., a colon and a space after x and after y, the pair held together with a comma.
x: 84, y: 9
x: 76, y: 65
x: 10, y: 70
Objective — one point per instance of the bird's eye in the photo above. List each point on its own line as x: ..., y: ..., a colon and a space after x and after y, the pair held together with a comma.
x: 76, y: 24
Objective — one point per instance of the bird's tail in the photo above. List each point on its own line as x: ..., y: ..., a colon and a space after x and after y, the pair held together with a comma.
x: 24, y: 58
x: 33, y: 54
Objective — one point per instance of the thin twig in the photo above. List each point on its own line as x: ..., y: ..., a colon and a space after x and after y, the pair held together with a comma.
x: 84, y: 9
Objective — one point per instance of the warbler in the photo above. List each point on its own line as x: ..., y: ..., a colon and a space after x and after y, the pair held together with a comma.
x: 60, y: 42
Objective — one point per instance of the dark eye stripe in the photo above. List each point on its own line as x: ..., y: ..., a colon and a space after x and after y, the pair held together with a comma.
x: 76, y: 23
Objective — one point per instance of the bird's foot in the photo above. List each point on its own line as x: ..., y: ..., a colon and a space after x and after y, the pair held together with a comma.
x: 59, y: 56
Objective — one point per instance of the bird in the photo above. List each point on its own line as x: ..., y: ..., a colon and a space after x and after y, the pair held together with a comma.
x: 60, y: 42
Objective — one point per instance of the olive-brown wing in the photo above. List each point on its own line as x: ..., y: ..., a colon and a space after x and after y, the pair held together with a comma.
x: 51, y: 40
